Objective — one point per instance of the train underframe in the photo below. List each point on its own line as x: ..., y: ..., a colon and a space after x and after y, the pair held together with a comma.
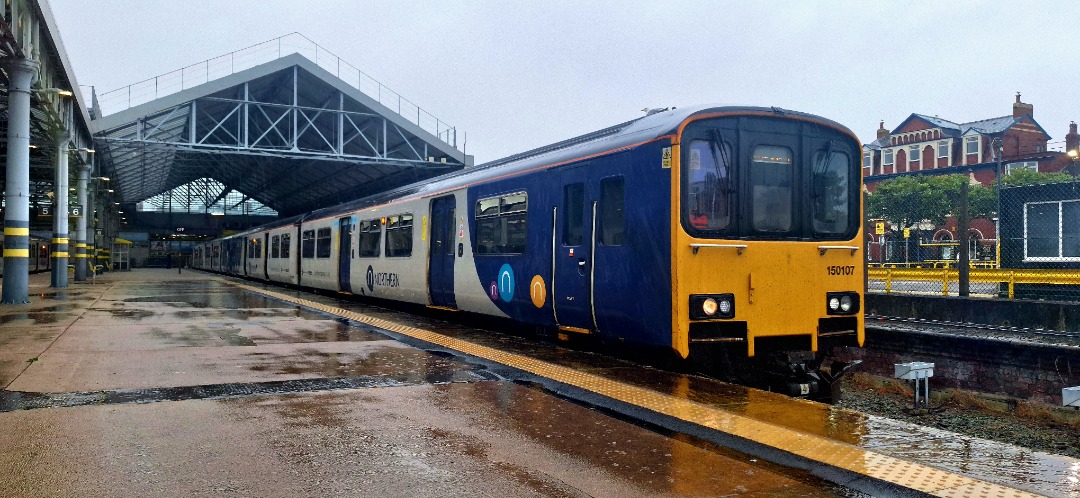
x: 783, y: 364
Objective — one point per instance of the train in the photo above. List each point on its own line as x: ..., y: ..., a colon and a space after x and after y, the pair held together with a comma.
x: 723, y: 234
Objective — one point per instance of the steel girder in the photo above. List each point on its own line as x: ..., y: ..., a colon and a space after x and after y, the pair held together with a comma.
x: 289, y: 140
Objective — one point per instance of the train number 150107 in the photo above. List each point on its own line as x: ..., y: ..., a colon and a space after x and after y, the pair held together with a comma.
x: 841, y: 270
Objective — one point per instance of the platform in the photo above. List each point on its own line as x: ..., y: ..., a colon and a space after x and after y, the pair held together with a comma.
x: 154, y: 382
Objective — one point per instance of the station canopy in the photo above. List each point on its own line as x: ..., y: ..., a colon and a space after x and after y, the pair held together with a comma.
x: 289, y: 135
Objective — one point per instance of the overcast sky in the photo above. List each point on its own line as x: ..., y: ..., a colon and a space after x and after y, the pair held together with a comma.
x: 518, y: 75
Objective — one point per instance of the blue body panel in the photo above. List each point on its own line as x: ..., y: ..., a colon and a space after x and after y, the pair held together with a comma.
x: 632, y: 290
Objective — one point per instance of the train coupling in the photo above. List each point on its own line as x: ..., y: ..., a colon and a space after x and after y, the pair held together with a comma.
x: 828, y: 376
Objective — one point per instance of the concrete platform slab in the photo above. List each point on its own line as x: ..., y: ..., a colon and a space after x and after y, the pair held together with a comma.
x: 483, y: 439
x: 77, y: 371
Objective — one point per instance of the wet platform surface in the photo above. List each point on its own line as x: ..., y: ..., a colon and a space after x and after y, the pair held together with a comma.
x: 156, y: 383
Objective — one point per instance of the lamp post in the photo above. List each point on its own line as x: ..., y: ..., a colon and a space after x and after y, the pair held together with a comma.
x: 997, y: 187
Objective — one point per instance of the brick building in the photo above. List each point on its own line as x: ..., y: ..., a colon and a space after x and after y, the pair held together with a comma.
x: 929, y: 145
x: 924, y: 144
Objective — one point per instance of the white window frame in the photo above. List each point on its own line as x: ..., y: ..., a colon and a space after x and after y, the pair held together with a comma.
x: 1013, y: 166
x: 1061, y: 234
x: 868, y: 161
x: 914, y: 154
x: 971, y: 140
x: 943, y: 149
x: 888, y: 157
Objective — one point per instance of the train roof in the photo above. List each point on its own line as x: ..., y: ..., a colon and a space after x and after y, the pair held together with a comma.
x: 613, y: 138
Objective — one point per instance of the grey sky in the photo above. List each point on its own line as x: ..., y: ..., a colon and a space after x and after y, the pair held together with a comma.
x: 517, y: 75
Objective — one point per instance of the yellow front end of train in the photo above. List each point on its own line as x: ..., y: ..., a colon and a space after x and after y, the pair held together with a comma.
x: 767, y: 241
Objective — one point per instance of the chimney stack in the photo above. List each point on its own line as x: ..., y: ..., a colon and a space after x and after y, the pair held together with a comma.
x: 1021, y: 109
x: 881, y: 131
x: 1072, y: 140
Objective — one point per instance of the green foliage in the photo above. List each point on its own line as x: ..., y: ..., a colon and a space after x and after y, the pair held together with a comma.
x: 1031, y: 177
x: 907, y: 200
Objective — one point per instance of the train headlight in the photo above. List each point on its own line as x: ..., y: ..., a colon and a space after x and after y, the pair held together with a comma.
x: 842, y: 303
x: 711, y: 306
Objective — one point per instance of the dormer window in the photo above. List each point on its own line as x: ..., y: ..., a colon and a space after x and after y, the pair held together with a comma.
x: 972, y: 145
x: 942, y: 149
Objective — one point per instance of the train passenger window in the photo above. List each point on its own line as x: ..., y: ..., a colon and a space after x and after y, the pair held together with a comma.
x: 307, y: 248
x: 501, y: 224
x: 370, y: 237
x: 574, y: 215
x: 612, y: 211
x: 275, y: 246
x: 286, y: 239
x: 771, y: 180
x: 831, y: 183
x: 254, y: 248
x: 399, y: 234
x: 322, y: 243
x: 708, y: 185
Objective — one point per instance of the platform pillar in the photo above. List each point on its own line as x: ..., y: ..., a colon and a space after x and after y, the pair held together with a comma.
x: 80, y: 224
x: 16, y: 281
x: 60, y: 241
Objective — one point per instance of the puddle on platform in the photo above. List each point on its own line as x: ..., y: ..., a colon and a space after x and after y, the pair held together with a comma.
x: 672, y: 465
x: 35, y: 317
x: 196, y: 299
x: 388, y: 360
x: 130, y: 314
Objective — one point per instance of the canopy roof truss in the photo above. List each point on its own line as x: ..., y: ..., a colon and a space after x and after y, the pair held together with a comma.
x: 286, y: 134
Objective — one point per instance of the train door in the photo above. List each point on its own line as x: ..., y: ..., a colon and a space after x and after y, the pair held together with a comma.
x: 442, y: 252
x: 572, y: 265
x: 345, y: 253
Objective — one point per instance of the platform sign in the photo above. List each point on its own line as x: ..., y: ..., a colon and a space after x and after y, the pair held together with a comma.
x: 907, y: 233
x: 879, y: 228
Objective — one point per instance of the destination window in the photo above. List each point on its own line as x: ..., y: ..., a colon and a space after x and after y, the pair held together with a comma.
x: 771, y: 180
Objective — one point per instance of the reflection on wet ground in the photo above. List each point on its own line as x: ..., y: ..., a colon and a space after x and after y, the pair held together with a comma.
x: 382, y: 361
x: 15, y: 400
x: 209, y: 300
x: 25, y: 319
x: 679, y: 465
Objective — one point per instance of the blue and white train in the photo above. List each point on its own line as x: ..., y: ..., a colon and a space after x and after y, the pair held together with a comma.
x: 691, y: 229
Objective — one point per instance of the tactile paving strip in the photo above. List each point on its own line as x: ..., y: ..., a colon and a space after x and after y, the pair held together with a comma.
x: 902, y: 473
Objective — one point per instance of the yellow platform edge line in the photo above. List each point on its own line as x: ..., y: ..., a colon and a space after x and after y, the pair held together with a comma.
x: 903, y: 473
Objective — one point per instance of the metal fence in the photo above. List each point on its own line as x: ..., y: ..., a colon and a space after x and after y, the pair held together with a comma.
x: 921, y: 241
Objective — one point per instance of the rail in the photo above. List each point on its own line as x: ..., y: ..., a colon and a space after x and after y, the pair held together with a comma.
x: 890, y: 276
x: 144, y: 91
